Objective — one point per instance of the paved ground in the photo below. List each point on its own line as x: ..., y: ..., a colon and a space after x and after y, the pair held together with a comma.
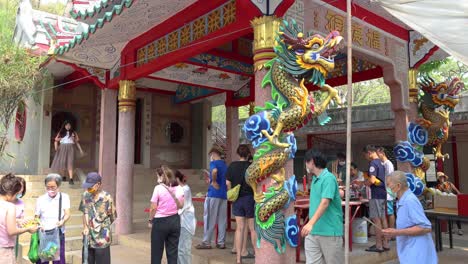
x: 136, y: 249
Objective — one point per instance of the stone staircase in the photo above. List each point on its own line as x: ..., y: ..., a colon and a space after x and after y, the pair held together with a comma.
x: 144, y: 182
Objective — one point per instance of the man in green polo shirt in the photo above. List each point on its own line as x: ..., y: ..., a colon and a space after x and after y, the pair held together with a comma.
x: 324, y: 231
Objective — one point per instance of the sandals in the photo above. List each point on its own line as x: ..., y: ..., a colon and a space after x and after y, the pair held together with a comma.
x: 248, y: 256
x: 375, y: 246
x: 203, y: 246
x: 220, y: 246
x: 375, y: 249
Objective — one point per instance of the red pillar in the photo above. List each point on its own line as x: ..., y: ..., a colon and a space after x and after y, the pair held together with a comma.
x: 125, y: 157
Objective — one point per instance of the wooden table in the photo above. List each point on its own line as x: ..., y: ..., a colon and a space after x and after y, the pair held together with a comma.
x: 302, y: 205
x: 437, y: 216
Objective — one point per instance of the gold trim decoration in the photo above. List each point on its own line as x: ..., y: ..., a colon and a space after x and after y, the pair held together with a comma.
x: 127, y: 96
x: 265, y: 29
x: 413, y: 85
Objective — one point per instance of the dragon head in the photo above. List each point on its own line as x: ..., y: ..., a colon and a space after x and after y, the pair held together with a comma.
x: 311, y: 57
x: 442, y: 94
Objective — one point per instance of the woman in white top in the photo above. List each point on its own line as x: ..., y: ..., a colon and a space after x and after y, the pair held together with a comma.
x: 167, y: 199
x: 10, y: 188
x: 53, y: 210
x: 64, y: 144
x: 188, y: 222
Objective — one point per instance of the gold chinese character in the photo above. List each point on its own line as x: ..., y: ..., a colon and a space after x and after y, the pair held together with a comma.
x: 357, y: 34
x: 335, y: 22
x: 373, y: 39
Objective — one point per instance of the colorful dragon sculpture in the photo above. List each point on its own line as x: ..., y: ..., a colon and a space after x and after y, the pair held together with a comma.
x: 431, y: 129
x: 300, y: 60
x: 438, y: 101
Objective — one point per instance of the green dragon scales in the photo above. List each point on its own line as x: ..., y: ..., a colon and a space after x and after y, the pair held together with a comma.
x: 300, y: 61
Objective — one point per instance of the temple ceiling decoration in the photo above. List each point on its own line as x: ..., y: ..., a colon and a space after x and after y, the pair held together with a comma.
x: 190, y: 32
x: 202, y: 76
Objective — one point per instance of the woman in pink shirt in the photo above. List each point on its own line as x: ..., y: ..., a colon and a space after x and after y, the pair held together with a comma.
x: 10, y: 187
x: 167, y: 198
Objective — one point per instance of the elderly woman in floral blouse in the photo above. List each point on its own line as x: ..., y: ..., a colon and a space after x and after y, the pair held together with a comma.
x: 444, y: 185
x: 98, y: 215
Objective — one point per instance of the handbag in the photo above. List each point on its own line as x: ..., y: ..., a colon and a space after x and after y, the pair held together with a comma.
x: 49, y: 240
x: 233, y: 193
x: 33, y: 253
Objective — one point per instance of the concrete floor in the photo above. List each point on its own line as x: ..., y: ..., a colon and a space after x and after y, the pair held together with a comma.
x: 135, y: 248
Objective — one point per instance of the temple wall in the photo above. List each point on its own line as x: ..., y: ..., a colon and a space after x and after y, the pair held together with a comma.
x: 22, y: 157
x: 163, y: 152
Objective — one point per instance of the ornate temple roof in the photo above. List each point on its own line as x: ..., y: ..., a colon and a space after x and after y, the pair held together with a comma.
x: 87, y: 10
x: 42, y: 32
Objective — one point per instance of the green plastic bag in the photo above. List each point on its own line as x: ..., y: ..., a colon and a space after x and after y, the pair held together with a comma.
x: 33, y: 253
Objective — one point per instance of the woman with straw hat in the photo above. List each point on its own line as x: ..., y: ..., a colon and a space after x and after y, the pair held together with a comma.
x: 444, y: 185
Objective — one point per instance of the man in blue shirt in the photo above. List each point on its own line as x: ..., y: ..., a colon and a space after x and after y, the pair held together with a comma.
x: 378, y: 201
x: 324, y: 231
x: 413, y: 232
x: 215, y: 211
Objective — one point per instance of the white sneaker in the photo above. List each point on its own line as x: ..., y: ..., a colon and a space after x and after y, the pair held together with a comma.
x: 460, y: 232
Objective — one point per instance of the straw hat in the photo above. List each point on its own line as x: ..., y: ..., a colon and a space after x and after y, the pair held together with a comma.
x: 441, y: 174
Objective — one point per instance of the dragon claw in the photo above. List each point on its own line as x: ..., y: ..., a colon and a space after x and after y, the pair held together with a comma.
x: 259, y: 197
x: 274, y: 139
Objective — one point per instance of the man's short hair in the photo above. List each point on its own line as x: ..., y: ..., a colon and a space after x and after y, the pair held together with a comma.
x: 353, y: 165
x: 369, y: 148
x: 382, y: 150
x: 243, y: 151
x: 341, y: 156
x: 317, y: 157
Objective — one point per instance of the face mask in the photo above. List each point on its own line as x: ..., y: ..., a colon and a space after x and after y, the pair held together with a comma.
x: 211, y: 157
x: 308, y: 170
x: 51, y: 193
x: 19, y: 196
x: 342, y: 163
x: 391, y: 193
x: 91, y: 190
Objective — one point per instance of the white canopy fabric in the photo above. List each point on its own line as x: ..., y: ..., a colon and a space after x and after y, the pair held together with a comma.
x: 443, y: 22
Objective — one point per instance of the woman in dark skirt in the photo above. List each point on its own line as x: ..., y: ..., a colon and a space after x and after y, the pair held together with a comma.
x: 64, y: 144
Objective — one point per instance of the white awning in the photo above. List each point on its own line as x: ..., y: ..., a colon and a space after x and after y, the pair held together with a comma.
x: 445, y: 23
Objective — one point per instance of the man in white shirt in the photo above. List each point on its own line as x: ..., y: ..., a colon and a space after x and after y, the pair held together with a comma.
x: 53, y: 209
x: 388, y: 169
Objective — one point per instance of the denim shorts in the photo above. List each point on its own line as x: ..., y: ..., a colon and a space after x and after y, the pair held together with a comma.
x: 244, y: 207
